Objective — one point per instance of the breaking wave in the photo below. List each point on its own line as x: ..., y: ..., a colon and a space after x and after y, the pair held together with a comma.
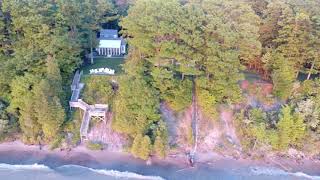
x: 116, y: 174
x: 280, y: 172
x: 111, y: 173
x: 24, y: 167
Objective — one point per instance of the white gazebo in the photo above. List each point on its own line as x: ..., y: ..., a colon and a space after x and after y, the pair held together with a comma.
x: 110, y: 44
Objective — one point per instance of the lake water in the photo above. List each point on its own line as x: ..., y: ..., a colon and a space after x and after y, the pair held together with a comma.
x: 75, y: 172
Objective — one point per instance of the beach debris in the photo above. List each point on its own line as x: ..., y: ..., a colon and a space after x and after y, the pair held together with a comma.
x: 149, y: 162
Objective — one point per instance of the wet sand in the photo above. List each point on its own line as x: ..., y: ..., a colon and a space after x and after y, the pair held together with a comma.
x: 18, y: 153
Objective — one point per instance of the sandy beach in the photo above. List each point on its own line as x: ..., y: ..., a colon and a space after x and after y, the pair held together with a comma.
x: 18, y: 153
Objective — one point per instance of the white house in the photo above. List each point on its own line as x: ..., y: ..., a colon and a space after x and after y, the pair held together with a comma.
x: 110, y: 44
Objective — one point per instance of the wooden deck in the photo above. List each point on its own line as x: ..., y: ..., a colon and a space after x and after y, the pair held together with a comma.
x: 97, y: 110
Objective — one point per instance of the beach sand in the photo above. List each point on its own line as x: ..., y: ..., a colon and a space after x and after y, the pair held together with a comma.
x: 18, y: 153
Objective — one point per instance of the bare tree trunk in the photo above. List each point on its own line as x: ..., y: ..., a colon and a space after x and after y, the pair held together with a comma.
x: 182, y: 76
x: 297, y: 75
x: 254, y: 145
x: 311, y: 69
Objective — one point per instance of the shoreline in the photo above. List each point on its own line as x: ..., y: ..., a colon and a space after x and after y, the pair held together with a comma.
x: 18, y: 153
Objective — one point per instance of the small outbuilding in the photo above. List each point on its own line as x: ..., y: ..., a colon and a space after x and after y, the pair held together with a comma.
x: 110, y: 44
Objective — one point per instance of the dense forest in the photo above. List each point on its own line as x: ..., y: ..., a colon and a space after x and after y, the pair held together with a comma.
x: 42, y: 43
x: 175, y: 46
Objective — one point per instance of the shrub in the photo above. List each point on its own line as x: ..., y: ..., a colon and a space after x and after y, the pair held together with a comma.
x: 98, y: 89
x: 94, y: 146
x: 56, y: 142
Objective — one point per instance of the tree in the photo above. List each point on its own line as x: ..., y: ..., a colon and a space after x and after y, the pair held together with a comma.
x: 136, y: 145
x: 299, y: 129
x: 136, y: 106
x: 145, y: 148
x: 260, y: 134
x: 314, y: 60
x: 258, y: 6
x: 160, y: 147
x: 4, y: 119
x: 257, y: 116
x: 48, y: 109
x: 207, y: 102
x: 7, y: 67
x: 294, y: 39
x: 269, y: 30
x: 177, y: 93
x: 22, y: 103
x: 193, y: 39
x: 291, y: 128
x: 98, y: 89
x: 246, y: 25
x: 54, y: 77
x: 283, y: 77
x: 141, y: 147
x: 309, y: 111
x: 284, y: 127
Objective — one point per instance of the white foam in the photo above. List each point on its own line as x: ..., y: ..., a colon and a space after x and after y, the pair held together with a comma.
x: 118, y: 174
x: 301, y: 174
x: 125, y: 174
x: 25, y: 167
x: 280, y: 172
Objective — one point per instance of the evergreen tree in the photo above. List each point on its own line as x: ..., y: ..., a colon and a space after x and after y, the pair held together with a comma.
x: 159, y: 147
x: 53, y: 76
x: 246, y: 25
x: 4, y: 119
x: 22, y: 103
x: 314, y: 60
x: 136, y: 106
x: 283, y: 77
x: 269, y: 30
x: 299, y: 128
x: 291, y: 128
x: 284, y: 126
x: 294, y: 39
x: 145, y: 148
x: 141, y: 147
x: 49, y: 112
x: 136, y: 145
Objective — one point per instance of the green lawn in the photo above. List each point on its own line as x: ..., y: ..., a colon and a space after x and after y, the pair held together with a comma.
x: 111, y: 63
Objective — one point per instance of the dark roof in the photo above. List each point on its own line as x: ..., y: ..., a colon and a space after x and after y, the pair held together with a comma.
x: 108, y: 33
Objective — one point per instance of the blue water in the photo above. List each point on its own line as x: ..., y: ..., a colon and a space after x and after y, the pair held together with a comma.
x: 75, y: 172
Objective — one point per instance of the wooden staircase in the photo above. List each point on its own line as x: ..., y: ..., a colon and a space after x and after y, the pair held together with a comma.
x: 97, y: 110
